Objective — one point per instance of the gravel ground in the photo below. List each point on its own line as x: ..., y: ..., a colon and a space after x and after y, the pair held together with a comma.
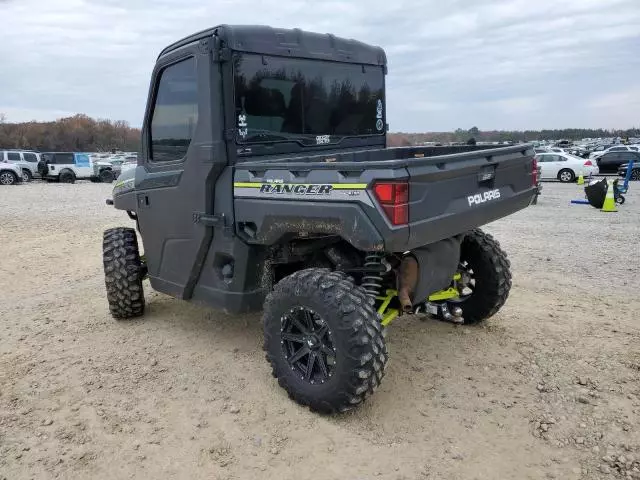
x: 548, y: 388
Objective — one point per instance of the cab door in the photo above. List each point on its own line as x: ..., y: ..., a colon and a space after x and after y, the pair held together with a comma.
x: 83, y: 165
x: 181, y: 160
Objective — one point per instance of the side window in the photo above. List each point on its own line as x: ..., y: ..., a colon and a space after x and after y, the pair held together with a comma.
x: 30, y: 157
x: 82, y: 160
x: 63, y: 159
x: 610, y: 158
x: 175, y: 112
x: 560, y: 158
x: 13, y: 156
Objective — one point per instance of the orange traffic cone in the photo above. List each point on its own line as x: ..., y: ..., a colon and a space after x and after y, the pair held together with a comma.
x: 609, y: 201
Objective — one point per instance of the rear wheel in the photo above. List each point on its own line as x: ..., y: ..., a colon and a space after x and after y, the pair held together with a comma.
x: 67, y: 176
x: 8, y: 178
x: 566, y: 176
x: 324, y: 340
x: 635, y: 174
x: 123, y: 273
x: 486, y: 277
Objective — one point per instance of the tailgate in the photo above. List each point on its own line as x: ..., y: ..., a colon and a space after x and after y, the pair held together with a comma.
x: 452, y: 195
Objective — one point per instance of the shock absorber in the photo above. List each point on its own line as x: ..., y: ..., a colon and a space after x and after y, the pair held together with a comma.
x: 372, y: 280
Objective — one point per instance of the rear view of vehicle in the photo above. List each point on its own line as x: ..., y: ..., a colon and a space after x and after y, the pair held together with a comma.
x: 265, y: 183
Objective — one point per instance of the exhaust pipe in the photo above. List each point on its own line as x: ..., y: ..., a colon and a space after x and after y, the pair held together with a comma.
x: 407, y: 281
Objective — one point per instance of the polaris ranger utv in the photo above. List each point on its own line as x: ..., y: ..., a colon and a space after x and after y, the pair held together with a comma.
x: 265, y: 184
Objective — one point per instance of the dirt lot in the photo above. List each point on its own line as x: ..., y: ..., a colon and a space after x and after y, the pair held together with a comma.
x: 547, y: 389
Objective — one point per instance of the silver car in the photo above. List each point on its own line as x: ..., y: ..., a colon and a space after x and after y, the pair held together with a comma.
x: 26, y: 160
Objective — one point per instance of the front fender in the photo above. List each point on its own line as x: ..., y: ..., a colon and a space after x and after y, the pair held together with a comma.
x: 124, y: 191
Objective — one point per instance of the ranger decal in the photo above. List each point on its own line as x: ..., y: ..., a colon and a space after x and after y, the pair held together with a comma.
x: 300, y: 189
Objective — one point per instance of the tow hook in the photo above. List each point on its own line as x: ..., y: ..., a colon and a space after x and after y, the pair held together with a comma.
x: 442, y: 310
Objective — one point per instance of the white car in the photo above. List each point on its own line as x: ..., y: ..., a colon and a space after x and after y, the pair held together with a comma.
x: 10, y: 174
x: 617, y: 148
x: 67, y: 167
x: 564, y: 166
x: 25, y: 159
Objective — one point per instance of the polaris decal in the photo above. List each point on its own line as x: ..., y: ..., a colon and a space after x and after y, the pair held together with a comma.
x: 480, y: 198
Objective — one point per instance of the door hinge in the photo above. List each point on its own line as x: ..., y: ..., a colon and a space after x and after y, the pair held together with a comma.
x: 223, y: 54
x: 209, y: 220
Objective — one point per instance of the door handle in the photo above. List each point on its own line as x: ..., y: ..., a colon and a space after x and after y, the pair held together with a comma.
x: 143, y: 201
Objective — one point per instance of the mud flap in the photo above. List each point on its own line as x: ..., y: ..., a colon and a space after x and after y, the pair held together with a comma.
x: 437, y: 264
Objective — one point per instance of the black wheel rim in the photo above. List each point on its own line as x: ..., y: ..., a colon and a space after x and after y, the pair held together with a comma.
x: 308, y: 345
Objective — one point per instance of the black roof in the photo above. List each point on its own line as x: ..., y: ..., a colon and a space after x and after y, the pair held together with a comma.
x: 288, y: 42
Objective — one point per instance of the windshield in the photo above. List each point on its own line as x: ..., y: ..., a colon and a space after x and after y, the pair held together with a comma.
x: 308, y: 101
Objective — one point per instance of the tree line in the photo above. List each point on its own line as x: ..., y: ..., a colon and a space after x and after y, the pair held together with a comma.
x: 79, y: 133
x: 460, y: 135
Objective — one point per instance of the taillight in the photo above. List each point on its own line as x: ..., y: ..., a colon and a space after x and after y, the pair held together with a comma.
x: 394, y: 200
x: 588, y: 163
x: 534, y: 172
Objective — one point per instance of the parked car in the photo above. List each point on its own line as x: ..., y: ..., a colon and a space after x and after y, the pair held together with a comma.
x: 25, y: 159
x: 67, y: 167
x: 635, y: 172
x: 610, y: 162
x: 616, y: 148
x: 10, y: 174
x: 564, y: 167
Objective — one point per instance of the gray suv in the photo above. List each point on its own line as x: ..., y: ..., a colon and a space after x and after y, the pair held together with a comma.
x: 25, y: 159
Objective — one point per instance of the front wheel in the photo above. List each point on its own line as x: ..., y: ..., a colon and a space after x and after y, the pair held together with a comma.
x: 106, y: 176
x: 324, y: 340
x: 26, y: 175
x: 485, y: 277
x: 123, y: 272
x: 566, y: 175
x: 8, y: 178
x: 635, y: 175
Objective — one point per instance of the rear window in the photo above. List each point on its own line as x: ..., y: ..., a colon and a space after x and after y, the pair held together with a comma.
x: 30, y: 157
x: 309, y: 101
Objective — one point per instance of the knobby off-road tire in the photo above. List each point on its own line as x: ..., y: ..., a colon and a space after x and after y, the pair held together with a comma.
x: 123, y: 273
x: 346, y: 312
x: 107, y: 176
x: 492, y: 274
x: 67, y: 176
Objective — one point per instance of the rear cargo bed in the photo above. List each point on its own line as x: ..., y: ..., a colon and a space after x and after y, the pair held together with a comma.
x: 450, y: 192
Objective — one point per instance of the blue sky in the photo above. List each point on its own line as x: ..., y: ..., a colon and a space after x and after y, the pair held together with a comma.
x: 503, y: 64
